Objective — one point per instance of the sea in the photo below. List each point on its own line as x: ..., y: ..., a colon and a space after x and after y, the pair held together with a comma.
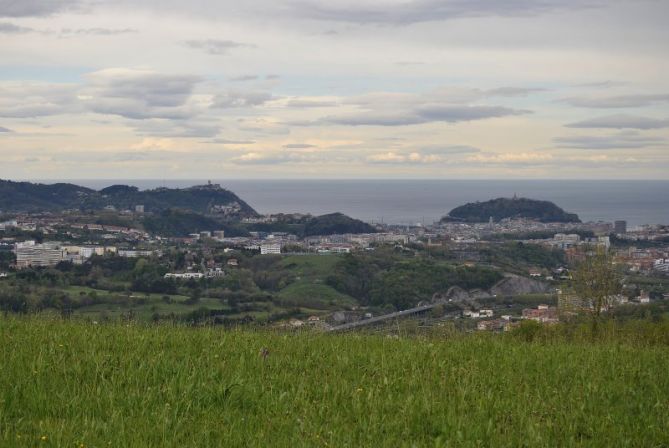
x: 425, y: 201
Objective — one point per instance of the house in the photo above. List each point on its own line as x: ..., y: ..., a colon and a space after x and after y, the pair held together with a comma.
x: 543, y: 313
x: 534, y: 272
x: 485, y: 313
x: 233, y: 262
x: 644, y: 297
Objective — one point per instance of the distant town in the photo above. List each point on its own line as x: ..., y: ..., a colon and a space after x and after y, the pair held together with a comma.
x: 193, y: 265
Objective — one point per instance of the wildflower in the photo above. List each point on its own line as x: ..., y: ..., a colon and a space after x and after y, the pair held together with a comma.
x: 43, y: 438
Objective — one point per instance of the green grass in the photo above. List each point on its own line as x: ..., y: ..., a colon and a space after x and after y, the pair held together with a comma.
x: 152, y: 386
x: 310, y: 290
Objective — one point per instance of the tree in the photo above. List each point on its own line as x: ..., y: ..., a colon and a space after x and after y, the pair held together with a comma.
x: 596, y: 281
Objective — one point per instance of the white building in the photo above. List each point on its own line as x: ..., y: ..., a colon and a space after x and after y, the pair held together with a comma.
x: 661, y: 265
x: 38, y: 255
x: 270, y: 248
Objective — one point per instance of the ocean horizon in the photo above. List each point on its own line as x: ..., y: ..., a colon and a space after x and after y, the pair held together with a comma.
x: 425, y: 201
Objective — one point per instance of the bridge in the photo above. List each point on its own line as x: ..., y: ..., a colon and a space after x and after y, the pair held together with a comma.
x: 383, y: 318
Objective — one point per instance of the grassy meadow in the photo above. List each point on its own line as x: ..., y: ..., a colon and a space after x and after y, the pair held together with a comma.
x: 74, y: 384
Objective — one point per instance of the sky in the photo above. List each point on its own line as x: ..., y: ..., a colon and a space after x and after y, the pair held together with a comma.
x: 445, y: 89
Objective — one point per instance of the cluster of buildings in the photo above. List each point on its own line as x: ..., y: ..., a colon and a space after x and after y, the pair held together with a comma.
x: 30, y: 254
x: 209, y: 273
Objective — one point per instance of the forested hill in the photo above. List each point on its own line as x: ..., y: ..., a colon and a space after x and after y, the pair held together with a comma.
x: 502, y: 208
x: 32, y: 197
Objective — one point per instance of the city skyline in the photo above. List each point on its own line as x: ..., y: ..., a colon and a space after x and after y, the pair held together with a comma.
x: 369, y: 89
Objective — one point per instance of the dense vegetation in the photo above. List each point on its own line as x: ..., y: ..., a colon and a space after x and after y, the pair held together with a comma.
x: 336, y: 223
x: 502, y: 208
x: 307, y: 225
x: 180, y: 223
x: 74, y: 384
x: 26, y: 196
x: 385, y: 278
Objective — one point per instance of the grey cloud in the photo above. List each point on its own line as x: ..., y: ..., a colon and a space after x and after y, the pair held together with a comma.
x: 299, y: 146
x: 454, y: 114
x: 620, y: 101
x: 623, y: 140
x: 241, y: 98
x: 601, y: 84
x: 215, y: 46
x: 29, y: 8
x: 97, y: 31
x: 30, y: 100
x: 513, y: 91
x: 10, y: 28
x: 424, y: 114
x: 448, y: 149
x: 244, y: 78
x: 405, y: 13
x: 223, y: 141
x: 188, y: 128
x: 140, y: 94
x: 621, y: 122
x: 305, y: 103
x: 5, y: 129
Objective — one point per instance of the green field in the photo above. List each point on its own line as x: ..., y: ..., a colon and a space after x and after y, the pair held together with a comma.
x: 72, y: 384
x: 309, y: 289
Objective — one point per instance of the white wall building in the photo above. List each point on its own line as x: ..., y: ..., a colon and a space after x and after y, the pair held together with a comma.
x: 270, y: 248
x: 39, y: 255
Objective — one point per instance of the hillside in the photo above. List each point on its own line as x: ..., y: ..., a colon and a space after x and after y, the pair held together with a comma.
x: 308, y: 225
x: 502, y: 208
x: 32, y: 197
x: 69, y: 383
x: 336, y: 223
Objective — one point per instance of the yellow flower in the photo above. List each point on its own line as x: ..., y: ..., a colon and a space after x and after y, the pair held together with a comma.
x: 43, y: 438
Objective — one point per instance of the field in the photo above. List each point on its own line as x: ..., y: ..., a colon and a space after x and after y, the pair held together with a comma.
x: 72, y: 384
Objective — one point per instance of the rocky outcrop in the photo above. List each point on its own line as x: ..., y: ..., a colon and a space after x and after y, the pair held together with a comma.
x: 514, y: 285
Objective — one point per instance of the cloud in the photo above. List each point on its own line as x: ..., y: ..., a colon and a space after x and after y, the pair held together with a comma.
x: 304, y: 103
x: 140, y: 94
x: 524, y: 158
x: 2, y: 129
x: 235, y: 98
x: 223, y: 141
x: 215, y: 46
x: 299, y: 146
x: 423, y: 114
x: 621, y: 122
x: 34, y: 99
x: 10, y: 28
x: 513, y: 91
x: 409, y: 12
x: 615, y: 102
x: 96, y: 31
x: 244, y: 78
x: 622, y: 140
x: 448, y: 149
x: 427, y: 154
x: 189, y: 128
x: 30, y: 8
x: 272, y: 158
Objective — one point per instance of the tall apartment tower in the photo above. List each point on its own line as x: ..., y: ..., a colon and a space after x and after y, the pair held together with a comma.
x: 620, y: 227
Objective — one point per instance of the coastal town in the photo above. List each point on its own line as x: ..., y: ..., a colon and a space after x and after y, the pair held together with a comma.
x: 47, y: 240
